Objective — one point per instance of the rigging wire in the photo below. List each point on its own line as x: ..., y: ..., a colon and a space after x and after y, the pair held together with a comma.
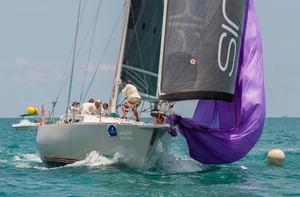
x: 83, y: 11
x: 103, y: 53
x: 90, y: 49
x: 62, y: 83
x: 81, y: 46
x: 139, y: 49
x: 69, y: 58
x: 73, y: 59
x: 140, y: 56
x: 65, y: 75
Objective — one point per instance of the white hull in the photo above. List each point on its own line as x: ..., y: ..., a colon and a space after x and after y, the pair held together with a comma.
x: 25, y: 125
x: 25, y: 128
x: 68, y: 143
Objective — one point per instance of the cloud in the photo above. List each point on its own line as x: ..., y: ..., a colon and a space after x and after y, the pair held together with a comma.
x: 102, y: 68
x: 107, y: 67
x: 20, y: 61
x: 31, y: 71
x: 34, y: 75
x: 58, y: 75
x: 15, y: 78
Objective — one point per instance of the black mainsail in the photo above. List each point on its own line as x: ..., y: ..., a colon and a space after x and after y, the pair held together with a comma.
x: 140, y: 50
x: 142, y: 45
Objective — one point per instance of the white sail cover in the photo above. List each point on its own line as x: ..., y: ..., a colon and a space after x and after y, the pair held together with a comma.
x: 201, y: 49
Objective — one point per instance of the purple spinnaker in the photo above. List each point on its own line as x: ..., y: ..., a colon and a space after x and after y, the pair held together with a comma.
x: 224, y: 132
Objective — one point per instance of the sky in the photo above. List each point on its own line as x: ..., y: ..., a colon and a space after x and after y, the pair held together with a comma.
x: 36, y: 39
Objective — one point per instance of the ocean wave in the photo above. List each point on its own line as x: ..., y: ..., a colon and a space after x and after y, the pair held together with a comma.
x: 27, y: 161
x: 160, y: 163
x: 94, y: 159
x: 164, y: 163
x: 243, y: 167
x: 168, y: 163
x: 3, y: 161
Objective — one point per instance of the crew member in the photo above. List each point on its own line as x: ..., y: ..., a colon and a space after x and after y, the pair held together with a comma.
x: 133, y: 100
x: 88, y: 108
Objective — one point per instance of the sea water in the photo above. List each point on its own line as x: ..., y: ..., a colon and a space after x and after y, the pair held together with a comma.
x: 22, y: 173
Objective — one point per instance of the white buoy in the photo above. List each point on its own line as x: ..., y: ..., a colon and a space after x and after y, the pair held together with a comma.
x: 276, y: 156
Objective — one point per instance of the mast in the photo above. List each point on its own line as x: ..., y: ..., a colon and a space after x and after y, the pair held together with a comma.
x: 117, y: 81
x: 162, y: 45
x: 73, y: 59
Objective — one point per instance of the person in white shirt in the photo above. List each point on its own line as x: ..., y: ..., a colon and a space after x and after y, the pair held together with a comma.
x: 87, y: 108
x: 133, y: 100
x: 91, y: 107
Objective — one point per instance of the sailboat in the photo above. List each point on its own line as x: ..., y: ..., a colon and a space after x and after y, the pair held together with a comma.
x: 25, y: 123
x: 177, y: 50
x: 75, y: 135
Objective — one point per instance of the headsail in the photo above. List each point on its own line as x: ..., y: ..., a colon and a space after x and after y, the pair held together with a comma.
x: 222, y: 132
x: 140, y: 50
x: 201, y: 47
x: 142, y: 45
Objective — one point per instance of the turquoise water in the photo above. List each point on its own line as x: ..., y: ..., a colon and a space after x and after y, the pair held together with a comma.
x: 22, y: 173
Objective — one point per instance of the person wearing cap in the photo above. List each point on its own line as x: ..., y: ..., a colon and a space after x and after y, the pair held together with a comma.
x: 133, y: 100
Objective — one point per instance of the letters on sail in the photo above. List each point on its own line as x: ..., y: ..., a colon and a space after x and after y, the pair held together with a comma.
x: 201, y: 49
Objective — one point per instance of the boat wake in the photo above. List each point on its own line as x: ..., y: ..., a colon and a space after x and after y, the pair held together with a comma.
x: 94, y: 160
x: 28, y: 161
x: 167, y: 163
x: 160, y: 163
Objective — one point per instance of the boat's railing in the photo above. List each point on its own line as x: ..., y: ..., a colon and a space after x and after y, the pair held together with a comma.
x: 80, y: 118
x: 70, y: 118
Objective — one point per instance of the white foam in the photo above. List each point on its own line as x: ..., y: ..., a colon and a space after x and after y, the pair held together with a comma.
x: 22, y: 165
x: 33, y: 157
x: 94, y: 159
x: 17, y: 158
x: 244, y: 168
x: 41, y: 168
x: 26, y: 161
x: 3, y: 161
x: 173, y: 164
